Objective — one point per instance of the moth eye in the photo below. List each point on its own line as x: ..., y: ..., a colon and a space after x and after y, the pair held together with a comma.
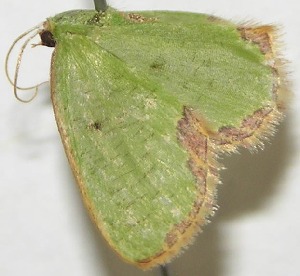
x: 47, y: 39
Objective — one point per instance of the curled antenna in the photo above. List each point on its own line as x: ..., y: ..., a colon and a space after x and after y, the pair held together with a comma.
x: 100, y: 5
x: 14, y: 81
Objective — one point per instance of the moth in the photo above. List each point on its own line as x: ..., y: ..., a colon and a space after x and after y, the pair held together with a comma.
x: 145, y: 102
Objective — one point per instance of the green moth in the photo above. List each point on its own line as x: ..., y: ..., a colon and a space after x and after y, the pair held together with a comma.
x: 145, y: 102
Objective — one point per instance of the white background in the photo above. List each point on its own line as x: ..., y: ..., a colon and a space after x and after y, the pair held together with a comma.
x: 44, y: 229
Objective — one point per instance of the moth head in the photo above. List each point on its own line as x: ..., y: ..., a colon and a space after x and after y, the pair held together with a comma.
x: 47, y: 38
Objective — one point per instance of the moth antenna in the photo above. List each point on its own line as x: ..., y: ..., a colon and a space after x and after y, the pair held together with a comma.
x: 17, y: 69
x: 12, y: 47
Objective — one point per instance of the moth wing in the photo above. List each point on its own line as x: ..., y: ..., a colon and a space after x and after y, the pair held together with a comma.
x: 120, y: 133
x: 223, y: 71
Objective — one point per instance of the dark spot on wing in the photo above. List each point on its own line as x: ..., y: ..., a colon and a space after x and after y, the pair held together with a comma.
x: 158, y: 64
x: 97, y: 126
x: 97, y: 19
